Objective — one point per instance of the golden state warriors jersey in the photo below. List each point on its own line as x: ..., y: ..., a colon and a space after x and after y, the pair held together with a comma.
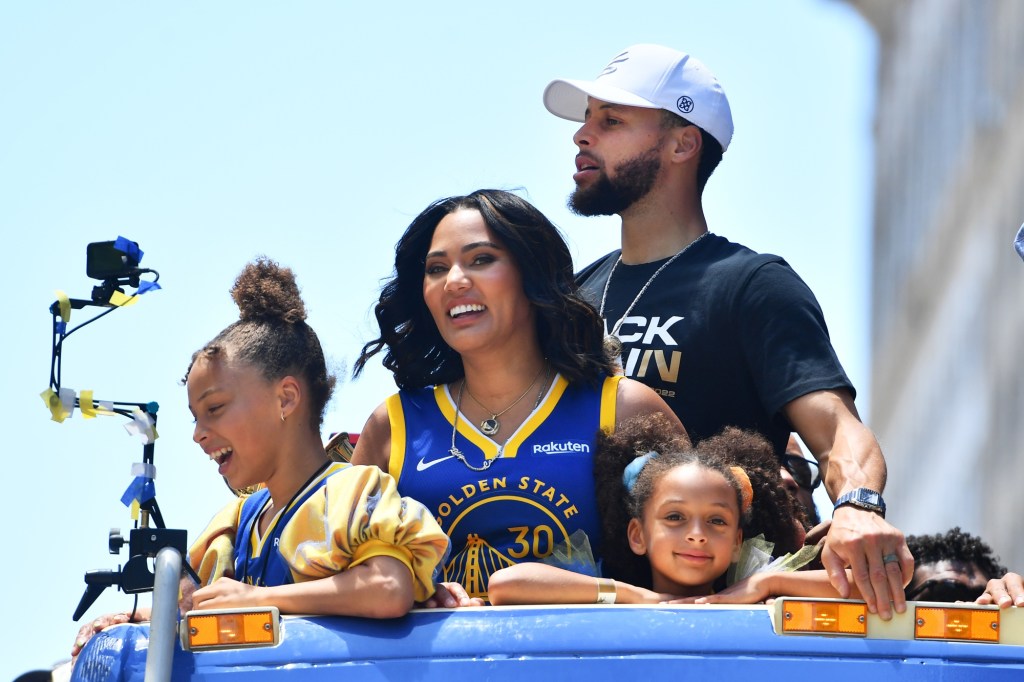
x: 528, y: 502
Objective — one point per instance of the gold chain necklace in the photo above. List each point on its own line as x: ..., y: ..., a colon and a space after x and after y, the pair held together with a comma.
x: 491, y: 425
x: 457, y: 454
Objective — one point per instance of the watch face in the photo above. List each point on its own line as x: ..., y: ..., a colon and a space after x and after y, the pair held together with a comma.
x: 870, y: 497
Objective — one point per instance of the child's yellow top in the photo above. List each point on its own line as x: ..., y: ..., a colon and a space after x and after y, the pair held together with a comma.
x: 355, y: 515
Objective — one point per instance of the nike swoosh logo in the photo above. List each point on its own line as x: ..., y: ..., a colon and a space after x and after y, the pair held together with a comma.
x: 423, y: 465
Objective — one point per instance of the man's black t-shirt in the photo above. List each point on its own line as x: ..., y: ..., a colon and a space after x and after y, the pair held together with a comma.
x: 725, y: 335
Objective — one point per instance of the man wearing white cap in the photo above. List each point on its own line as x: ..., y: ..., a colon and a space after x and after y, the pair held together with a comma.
x: 727, y: 336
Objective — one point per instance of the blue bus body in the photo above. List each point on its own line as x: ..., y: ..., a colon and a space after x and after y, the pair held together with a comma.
x: 622, y: 643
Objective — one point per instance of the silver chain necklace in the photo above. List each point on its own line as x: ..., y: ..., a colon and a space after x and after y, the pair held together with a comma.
x: 615, y: 329
x: 457, y: 454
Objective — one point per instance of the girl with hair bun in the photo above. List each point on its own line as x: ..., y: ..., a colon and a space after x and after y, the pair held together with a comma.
x: 317, y: 537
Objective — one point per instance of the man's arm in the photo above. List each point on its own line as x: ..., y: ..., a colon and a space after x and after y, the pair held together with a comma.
x: 828, y: 423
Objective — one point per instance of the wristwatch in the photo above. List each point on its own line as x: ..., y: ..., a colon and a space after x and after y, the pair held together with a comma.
x: 865, y: 498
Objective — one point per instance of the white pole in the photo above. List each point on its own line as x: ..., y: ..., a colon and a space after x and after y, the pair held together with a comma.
x: 163, y: 626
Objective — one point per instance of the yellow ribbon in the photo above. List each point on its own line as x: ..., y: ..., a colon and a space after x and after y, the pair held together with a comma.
x: 85, y: 403
x: 120, y: 299
x: 64, y: 304
x: 61, y: 406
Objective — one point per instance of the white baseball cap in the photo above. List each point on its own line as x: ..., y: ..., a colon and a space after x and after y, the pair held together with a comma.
x: 653, y: 77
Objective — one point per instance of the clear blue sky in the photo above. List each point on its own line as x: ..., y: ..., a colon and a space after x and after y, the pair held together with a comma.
x: 312, y: 132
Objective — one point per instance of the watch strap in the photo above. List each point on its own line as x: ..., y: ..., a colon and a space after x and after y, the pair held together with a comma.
x: 864, y: 498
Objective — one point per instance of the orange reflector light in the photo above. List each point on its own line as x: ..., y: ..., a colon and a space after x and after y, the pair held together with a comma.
x: 824, y: 617
x: 230, y: 628
x: 973, y: 625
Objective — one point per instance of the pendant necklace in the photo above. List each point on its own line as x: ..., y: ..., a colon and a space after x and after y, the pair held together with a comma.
x: 614, y: 335
x: 457, y: 454
x: 491, y: 425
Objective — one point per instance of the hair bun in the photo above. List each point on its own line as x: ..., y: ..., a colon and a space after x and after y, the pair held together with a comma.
x: 266, y: 291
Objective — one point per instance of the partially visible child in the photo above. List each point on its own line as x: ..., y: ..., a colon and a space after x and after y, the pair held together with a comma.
x: 681, y: 526
x: 951, y: 566
x: 319, y: 537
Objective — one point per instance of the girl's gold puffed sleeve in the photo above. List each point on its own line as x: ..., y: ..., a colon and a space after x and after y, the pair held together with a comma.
x: 212, y: 555
x: 357, y: 515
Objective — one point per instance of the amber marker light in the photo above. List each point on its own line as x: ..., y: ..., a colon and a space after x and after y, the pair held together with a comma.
x: 230, y: 629
x: 962, y: 624
x: 824, y: 617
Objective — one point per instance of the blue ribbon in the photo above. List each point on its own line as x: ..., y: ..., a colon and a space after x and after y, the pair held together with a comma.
x: 129, y: 247
x: 142, y: 488
x: 634, y: 468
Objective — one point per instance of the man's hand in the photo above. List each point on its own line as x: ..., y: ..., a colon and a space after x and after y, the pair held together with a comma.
x: 877, y: 555
x: 875, y: 552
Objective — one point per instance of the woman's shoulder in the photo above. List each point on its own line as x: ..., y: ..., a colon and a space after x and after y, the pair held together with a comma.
x: 374, y: 444
x: 633, y: 390
x: 636, y: 399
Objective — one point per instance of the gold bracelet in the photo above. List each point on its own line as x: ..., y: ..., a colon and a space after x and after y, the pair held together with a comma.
x: 605, y: 591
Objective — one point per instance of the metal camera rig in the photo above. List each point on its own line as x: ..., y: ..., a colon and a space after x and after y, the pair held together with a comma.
x: 116, y: 265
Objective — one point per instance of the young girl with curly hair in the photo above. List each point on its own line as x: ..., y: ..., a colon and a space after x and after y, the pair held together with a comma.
x: 674, y: 519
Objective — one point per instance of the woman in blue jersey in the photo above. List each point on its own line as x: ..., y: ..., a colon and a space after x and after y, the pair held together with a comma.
x: 504, y: 385
x: 318, y: 537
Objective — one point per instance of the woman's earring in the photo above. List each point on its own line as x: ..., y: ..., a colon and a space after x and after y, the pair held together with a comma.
x: 282, y: 416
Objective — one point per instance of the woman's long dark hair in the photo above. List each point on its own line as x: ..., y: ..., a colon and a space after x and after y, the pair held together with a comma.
x: 569, y: 330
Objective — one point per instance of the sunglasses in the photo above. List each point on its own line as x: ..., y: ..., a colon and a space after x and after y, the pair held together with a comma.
x: 804, y: 471
x: 946, y: 590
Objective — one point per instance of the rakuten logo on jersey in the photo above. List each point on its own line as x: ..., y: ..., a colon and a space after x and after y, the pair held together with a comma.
x: 564, y: 448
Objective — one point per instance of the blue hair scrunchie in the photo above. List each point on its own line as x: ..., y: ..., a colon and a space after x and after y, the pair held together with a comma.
x: 633, y: 469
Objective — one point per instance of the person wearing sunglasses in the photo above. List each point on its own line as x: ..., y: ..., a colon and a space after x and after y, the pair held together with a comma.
x: 801, y: 476
x: 950, y: 567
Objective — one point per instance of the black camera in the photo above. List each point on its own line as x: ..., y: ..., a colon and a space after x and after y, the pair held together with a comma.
x: 112, y: 260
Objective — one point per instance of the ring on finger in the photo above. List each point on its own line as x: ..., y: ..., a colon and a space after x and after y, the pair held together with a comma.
x: 890, y: 559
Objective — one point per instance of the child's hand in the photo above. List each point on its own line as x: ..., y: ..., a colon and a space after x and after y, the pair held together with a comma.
x: 752, y: 590
x: 1006, y: 591
x: 225, y: 593
x: 450, y: 596
x: 816, y: 535
x: 86, y: 632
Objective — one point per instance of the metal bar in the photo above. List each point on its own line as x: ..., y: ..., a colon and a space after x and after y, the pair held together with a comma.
x: 163, y: 628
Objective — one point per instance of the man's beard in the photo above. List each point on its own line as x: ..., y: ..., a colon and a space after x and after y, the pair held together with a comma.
x: 633, y: 180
